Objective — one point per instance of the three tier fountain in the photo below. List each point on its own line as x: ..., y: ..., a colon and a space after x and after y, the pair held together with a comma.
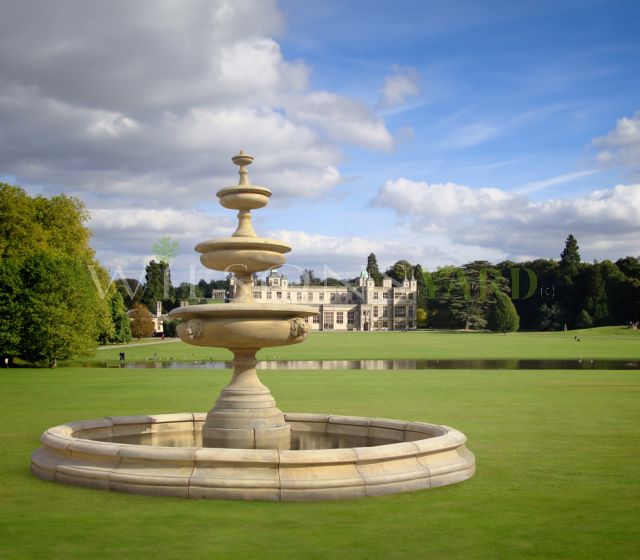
x: 246, y: 447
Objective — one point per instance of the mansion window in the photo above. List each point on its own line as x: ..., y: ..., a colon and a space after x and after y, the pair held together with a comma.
x: 340, y: 317
x: 321, y: 296
x: 257, y: 295
x: 375, y: 310
x: 268, y: 295
x: 279, y: 295
x: 288, y: 295
x: 316, y: 319
x: 399, y: 311
x: 328, y: 320
x: 299, y: 296
x: 410, y: 312
x: 351, y: 317
x: 375, y: 295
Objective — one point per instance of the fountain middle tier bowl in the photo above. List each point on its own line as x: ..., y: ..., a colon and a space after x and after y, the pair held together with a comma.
x: 243, y: 325
x: 242, y: 254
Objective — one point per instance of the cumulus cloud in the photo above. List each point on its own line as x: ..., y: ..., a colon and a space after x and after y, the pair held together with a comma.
x: 622, y: 145
x: 398, y: 86
x: 606, y: 221
x: 157, y: 95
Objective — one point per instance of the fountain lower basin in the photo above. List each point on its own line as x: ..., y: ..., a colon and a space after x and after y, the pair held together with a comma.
x: 380, y: 456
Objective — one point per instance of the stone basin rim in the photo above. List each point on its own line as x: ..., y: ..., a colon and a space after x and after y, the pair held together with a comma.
x: 251, y: 311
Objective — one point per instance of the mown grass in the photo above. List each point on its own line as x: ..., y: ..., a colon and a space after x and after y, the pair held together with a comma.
x: 601, y: 343
x: 558, y: 469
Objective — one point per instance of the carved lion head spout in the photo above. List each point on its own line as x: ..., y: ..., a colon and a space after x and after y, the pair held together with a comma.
x: 298, y: 328
x: 194, y: 329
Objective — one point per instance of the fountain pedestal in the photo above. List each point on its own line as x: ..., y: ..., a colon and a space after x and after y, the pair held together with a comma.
x: 245, y: 414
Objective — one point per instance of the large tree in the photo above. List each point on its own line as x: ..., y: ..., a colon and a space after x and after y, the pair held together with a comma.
x: 53, y: 280
x: 570, y: 257
x: 58, y: 298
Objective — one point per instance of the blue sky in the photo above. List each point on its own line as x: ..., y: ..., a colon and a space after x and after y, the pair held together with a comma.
x: 439, y: 132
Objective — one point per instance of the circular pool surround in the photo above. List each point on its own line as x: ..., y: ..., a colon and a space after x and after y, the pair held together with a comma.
x: 334, y: 457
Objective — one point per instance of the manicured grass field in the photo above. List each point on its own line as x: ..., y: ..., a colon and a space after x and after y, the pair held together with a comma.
x: 558, y: 467
x: 606, y: 342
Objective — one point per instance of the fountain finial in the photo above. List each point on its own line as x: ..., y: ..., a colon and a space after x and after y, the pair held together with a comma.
x: 243, y: 160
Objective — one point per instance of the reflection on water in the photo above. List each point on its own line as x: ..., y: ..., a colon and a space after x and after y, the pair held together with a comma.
x: 391, y: 364
x: 299, y: 440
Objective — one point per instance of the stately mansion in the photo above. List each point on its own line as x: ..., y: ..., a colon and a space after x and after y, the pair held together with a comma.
x: 364, y: 307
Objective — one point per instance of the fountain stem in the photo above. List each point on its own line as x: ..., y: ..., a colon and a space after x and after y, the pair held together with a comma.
x: 245, y: 414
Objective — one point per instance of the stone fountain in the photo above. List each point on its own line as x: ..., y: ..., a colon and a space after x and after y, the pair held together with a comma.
x: 245, y: 447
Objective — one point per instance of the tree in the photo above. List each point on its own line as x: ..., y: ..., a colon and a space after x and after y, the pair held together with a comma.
x: 120, y: 318
x: 11, y: 315
x: 130, y: 290
x: 48, y: 278
x: 308, y: 278
x: 400, y: 271
x: 373, y: 270
x: 550, y: 317
x: 421, y: 317
x: 157, y: 285
x: 584, y: 320
x: 141, y: 322
x: 570, y: 257
x: 59, y: 302
x: 630, y: 267
x: 425, y: 287
x: 503, y: 316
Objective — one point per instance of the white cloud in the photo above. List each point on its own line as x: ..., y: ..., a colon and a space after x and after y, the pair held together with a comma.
x: 606, y: 222
x: 146, y: 101
x: 343, y: 119
x: 622, y: 145
x: 398, y: 86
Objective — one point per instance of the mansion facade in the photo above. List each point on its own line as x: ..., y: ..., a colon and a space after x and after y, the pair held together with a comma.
x: 364, y: 307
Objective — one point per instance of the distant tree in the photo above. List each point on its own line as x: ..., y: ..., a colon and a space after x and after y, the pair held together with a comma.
x: 425, y: 287
x: 400, y: 271
x: 503, y: 316
x: 584, y: 320
x: 141, y: 322
x: 130, y: 290
x: 570, y: 257
x: 421, y: 317
x: 120, y: 318
x: 204, y: 288
x: 470, y: 293
x: 629, y: 266
x: 157, y: 285
x: 169, y: 328
x: 550, y: 317
x: 373, y: 270
x: 308, y: 278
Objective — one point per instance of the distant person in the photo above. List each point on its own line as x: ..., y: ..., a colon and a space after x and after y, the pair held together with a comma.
x: 565, y: 327
x: 6, y: 362
x: 122, y: 359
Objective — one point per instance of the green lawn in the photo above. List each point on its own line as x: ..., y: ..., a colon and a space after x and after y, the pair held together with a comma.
x: 606, y: 342
x: 558, y: 467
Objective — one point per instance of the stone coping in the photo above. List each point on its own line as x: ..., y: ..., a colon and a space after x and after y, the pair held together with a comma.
x: 418, y: 456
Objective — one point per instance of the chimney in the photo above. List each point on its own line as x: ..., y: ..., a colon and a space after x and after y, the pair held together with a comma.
x: 158, y: 308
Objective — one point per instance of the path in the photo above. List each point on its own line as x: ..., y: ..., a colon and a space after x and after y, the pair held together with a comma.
x: 134, y: 345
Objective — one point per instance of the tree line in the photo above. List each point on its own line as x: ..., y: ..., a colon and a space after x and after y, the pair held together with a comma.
x: 537, y: 295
